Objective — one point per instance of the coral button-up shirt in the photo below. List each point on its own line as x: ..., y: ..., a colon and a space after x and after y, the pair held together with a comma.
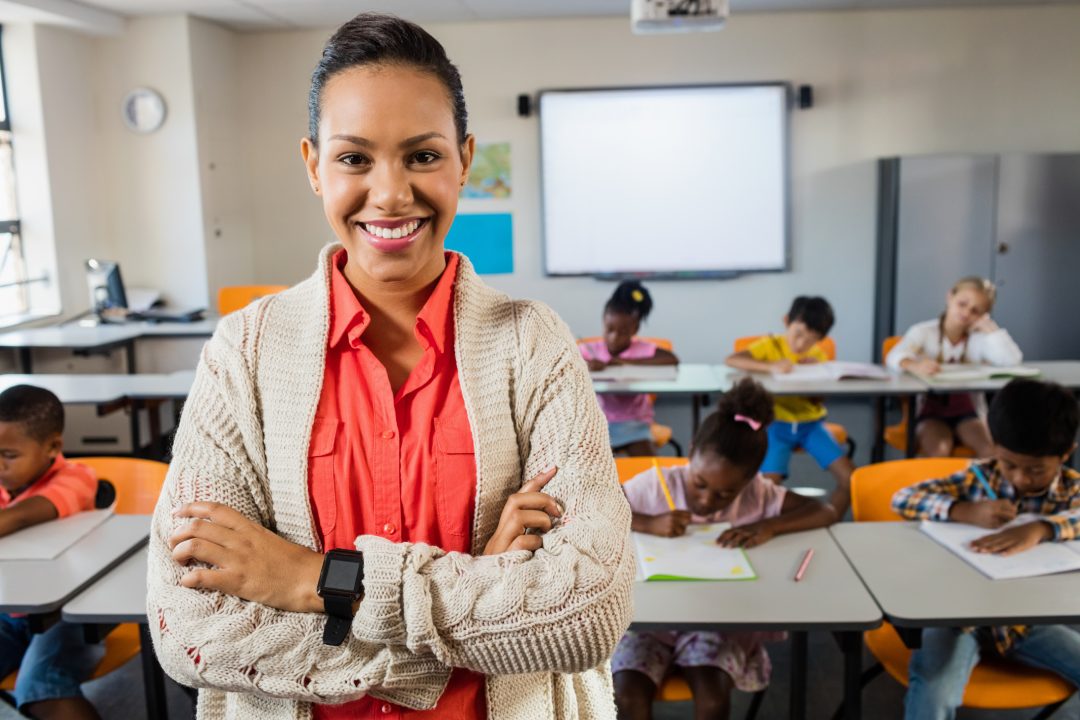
x: 399, y: 465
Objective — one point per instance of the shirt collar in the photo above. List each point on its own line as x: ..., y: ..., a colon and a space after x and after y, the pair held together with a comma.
x: 349, y: 320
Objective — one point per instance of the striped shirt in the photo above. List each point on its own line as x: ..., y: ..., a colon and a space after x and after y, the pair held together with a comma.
x: 1059, y: 506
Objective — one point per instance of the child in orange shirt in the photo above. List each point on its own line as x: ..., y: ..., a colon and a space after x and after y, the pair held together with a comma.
x: 37, y: 485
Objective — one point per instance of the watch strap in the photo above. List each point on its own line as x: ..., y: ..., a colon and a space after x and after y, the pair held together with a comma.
x: 339, y: 614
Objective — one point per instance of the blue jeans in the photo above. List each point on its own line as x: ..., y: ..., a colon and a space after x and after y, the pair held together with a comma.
x: 51, y: 664
x: 940, y: 669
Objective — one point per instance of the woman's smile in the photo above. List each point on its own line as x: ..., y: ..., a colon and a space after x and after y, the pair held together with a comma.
x: 391, y: 236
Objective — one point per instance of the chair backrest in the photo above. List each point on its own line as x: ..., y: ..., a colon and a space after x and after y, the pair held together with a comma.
x: 662, y: 343
x: 888, y: 344
x: 628, y: 467
x: 827, y: 345
x: 234, y: 297
x: 873, y: 486
x: 138, y: 482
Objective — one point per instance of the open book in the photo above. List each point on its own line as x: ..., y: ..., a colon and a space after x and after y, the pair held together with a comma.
x: 1044, y: 559
x: 826, y: 371
x: 959, y: 372
x: 631, y: 373
x: 694, y: 556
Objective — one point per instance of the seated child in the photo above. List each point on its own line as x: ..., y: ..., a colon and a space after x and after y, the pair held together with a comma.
x: 721, y: 484
x: 800, y: 421
x: 1033, y: 425
x: 37, y: 485
x: 629, y: 416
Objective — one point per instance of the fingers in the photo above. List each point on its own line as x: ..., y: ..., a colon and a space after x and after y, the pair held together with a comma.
x: 215, y: 512
x: 206, y: 579
x: 203, y: 551
x: 196, y: 528
x: 533, y: 501
x: 532, y: 543
x: 537, y: 483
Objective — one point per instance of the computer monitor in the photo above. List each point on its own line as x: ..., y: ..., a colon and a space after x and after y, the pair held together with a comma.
x: 106, y: 287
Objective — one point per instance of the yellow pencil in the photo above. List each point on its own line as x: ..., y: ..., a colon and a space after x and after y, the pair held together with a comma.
x: 663, y: 485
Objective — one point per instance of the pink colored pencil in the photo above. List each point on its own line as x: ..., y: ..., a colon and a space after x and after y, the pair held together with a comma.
x: 804, y: 564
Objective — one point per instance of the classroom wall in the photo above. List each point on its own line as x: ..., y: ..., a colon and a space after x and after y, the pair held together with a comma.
x: 886, y: 83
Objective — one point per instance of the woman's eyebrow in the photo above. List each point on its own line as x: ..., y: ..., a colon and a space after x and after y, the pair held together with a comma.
x: 407, y: 142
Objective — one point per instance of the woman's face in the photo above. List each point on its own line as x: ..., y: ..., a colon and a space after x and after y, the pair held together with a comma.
x: 389, y: 169
x: 965, y: 306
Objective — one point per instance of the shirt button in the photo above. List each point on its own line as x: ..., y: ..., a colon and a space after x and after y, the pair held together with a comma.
x: 389, y: 529
x: 386, y: 709
x: 388, y: 435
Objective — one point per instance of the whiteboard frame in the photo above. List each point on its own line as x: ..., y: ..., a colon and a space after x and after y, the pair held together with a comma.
x: 688, y: 274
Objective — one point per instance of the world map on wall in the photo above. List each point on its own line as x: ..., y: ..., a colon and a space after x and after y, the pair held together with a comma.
x: 489, y: 176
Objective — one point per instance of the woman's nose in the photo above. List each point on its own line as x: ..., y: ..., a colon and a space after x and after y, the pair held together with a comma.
x: 390, y: 190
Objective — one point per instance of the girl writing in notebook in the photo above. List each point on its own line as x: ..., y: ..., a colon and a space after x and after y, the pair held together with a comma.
x: 721, y: 484
x: 629, y: 416
x: 964, y: 333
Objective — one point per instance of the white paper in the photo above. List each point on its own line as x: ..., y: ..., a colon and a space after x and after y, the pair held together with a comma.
x: 49, y: 539
x: 631, y: 373
x: 694, y: 556
x: 829, y: 371
x: 1045, y: 558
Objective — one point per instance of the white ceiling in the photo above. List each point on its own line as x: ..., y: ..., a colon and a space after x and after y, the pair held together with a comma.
x: 249, y: 15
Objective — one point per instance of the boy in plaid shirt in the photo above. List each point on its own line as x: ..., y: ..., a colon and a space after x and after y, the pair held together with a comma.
x: 1033, y: 425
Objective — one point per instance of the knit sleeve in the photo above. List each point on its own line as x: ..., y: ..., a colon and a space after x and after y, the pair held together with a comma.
x: 213, y: 640
x: 562, y: 609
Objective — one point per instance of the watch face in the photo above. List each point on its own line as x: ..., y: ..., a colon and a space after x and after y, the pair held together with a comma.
x: 342, y: 575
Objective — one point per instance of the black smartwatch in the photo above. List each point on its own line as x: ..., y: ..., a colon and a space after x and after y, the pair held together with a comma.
x: 341, y: 583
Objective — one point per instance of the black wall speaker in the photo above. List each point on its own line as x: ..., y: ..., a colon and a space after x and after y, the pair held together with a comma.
x: 806, y: 97
x: 524, y: 103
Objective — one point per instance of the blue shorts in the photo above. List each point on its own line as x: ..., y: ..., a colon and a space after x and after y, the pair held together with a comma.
x: 631, y: 431
x: 786, y: 437
x: 51, y: 664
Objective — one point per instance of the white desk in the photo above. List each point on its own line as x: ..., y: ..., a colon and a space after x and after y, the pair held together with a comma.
x: 40, y: 587
x: 693, y: 379
x: 100, y: 338
x: 1063, y: 372
x: 918, y: 583
x: 830, y: 597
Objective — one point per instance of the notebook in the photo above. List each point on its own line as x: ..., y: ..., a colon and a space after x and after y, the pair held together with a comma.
x: 959, y: 372
x: 1045, y: 558
x: 694, y: 556
x: 826, y: 371
x: 631, y: 373
x: 47, y: 540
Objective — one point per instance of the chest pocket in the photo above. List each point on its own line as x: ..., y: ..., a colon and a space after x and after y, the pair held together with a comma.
x: 321, y: 463
x: 455, y: 477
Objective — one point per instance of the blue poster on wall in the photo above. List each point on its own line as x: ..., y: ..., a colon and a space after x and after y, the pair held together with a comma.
x: 487, y: 239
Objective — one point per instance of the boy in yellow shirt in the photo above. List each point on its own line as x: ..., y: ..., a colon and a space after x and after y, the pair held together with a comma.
x: 800, y: 421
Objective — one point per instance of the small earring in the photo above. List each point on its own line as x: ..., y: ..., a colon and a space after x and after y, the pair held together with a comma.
x: 315, y: 188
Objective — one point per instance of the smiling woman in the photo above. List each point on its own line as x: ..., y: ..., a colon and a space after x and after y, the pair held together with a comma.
x: 391, y: 492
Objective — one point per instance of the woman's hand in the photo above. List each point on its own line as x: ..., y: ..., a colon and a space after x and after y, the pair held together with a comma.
x: 247, y: 560
x: 985, y: 324
x: 984, y: 513
x: 747, y: 536
x: 1014, y: 540
x: 525, y: 509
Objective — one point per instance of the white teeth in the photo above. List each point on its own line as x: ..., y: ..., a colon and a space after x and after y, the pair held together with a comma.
x: 393, y: 233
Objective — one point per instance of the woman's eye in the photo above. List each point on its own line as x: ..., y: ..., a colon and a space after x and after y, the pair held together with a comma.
x: 352, y: 159
x: 425, y: 157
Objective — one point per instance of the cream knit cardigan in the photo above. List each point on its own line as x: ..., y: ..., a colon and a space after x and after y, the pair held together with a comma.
x: 541, y: 627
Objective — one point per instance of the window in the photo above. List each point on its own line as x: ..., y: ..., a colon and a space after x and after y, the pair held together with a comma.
x: 14, y: 279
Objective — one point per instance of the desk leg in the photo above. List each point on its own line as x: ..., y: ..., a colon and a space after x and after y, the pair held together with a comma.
x: 129, y: 352
x: 877, y: 454
x: 153, y: 677
x: 136, y: 441
x: 26, y: 360
x: 797, y: 711
x: 851, y: 644
x: 696, y: 401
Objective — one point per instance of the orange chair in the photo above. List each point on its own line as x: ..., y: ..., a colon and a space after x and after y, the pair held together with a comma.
x: 995, y: 683
x: 674, y: 688
x: 896, y: 435
x: 828, y: 346
x: 138, y: 483
x: 234, y: 297
x: 661, y: 434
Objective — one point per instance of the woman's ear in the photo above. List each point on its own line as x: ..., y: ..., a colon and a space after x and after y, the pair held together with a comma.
x: 310, y: 154
x: 468, y: 149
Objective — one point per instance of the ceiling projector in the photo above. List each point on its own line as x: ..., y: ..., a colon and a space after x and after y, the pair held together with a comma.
x: 665, y: 16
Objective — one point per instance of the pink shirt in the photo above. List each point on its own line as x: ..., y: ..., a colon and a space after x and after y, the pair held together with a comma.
x: 622, y: 408
x: 760, y: 499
